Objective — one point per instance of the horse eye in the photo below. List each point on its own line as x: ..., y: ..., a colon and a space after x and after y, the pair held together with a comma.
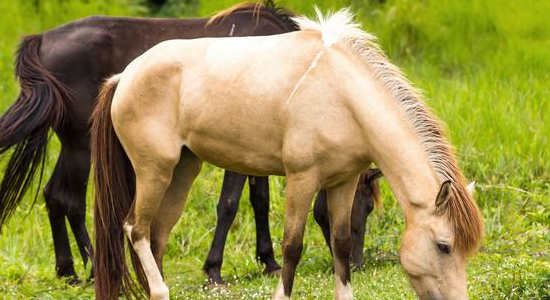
x: 444, y: 248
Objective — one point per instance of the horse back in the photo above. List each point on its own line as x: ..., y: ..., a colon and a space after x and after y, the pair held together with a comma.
x: 261, y: 86
x: 82, y: 53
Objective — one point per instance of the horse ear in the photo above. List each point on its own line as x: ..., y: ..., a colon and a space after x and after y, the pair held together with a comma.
x: 471, y: 188
x: 444, y: 194
x: 374, y: 174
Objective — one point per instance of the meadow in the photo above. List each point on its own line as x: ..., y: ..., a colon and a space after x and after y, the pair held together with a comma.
x: 484, y: 67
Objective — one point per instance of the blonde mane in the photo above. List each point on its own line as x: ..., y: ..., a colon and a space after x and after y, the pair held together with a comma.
x: 461, y: 210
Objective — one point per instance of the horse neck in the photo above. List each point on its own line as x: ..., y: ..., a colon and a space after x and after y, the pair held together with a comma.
x: 395, y: 147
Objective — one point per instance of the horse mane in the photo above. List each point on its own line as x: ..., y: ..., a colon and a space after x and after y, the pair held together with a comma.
x: 283, y: 14
x: 461, y: 210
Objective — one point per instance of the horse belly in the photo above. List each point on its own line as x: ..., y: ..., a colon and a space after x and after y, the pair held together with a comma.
x: 233, y: 135
x: 226, y: 154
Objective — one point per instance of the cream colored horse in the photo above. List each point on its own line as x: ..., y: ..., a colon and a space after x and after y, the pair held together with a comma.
x: 318, y: 106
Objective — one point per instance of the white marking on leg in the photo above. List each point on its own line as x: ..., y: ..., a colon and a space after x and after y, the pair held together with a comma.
x: 128, y: 230
x: 311, y: 67
x: 232, y: 30
x: 159, y: 291
x: 280, y: 291
x: 341, y: 291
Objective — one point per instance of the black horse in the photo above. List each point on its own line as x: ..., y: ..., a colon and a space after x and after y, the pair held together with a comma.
x: 367, y: 195
x: 60, y: 72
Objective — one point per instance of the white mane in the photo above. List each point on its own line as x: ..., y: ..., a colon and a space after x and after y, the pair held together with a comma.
x: 334, y: 26
x: 462, y: 211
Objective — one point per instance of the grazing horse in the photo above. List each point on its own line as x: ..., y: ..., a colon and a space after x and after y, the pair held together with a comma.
x: 60, y: 72
x: 319, y: 106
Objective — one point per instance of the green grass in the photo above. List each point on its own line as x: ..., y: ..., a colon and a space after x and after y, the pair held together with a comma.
x: 484, y: 68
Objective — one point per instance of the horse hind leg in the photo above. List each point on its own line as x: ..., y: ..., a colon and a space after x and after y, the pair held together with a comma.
x: 259, y: 198
x: 172, y: 205
x: 65, y: 196
x: 154, y: 156
x: 78, y: 169
x: 340, y: 203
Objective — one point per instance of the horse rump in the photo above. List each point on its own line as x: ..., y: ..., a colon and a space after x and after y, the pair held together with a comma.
x: 114, y: 187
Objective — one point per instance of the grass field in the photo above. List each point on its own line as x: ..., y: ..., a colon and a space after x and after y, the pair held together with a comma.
x: 484, y: 67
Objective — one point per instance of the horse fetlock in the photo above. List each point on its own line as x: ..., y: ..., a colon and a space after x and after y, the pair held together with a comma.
x: 280, y: 292
x: 343, y: 291
x: 159, y: 292
x: 272, y: 270
x: 214, y: 272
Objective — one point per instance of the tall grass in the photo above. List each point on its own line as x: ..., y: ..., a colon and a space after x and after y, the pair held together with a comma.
x: 483, y: 66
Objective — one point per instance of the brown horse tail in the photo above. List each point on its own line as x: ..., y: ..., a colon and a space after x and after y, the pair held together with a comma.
x: 26, y: 124
x: 114, y: 186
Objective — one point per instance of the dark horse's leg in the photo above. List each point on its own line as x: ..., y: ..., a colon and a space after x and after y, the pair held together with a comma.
x: 259, y: 197
x: 362, y: 207
x: 65, y: 196
x: 228, y: 205
x: 363, y: 203
x: 320, y: 213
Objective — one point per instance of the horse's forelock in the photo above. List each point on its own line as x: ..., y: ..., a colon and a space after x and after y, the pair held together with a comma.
x: 466, y: 220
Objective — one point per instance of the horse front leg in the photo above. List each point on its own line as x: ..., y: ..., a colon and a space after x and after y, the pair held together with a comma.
x: 228, y: 205
x: 300, y: 190
x: 340, y: 202
x: 259, y: 198
x: 362, y: 207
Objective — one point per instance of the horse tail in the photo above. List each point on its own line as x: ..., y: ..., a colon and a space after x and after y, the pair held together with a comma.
x: 25, y: 125
x: 114, y: 186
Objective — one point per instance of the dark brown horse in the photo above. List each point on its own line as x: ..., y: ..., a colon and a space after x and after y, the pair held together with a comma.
x: 60, y: 72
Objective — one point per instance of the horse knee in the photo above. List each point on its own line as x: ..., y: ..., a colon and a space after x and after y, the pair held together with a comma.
x: 292, y: 250
x: 342, y: 246
x: 228, y: 207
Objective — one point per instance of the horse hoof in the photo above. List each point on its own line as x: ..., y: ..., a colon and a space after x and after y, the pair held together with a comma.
x: 216, y: 286
x: 356, y: 268
x: 72, y: 280
x: 160, y: 293
x: 272, y: 272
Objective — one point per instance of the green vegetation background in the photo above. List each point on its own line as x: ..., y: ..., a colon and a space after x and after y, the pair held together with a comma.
x: 485, y: 69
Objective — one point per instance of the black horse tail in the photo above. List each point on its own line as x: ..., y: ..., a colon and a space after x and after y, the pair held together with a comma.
x: 26, y: 124
x: 114, y: 187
